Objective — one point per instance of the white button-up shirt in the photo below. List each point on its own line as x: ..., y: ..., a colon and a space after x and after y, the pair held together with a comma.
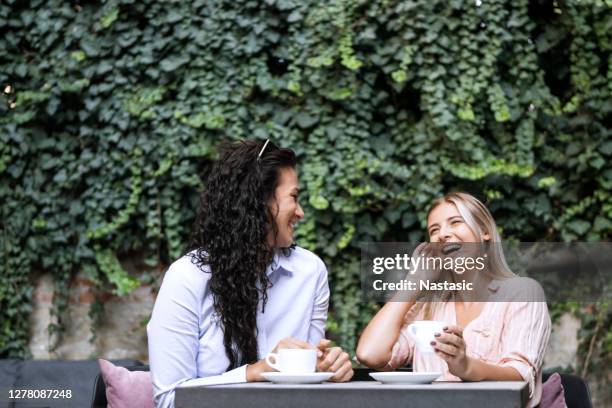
x: 186, y: 339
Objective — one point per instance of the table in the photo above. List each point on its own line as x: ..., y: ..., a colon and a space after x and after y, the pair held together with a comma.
x: 370, y: 394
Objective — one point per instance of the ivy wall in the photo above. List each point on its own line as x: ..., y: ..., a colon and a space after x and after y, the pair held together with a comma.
x: 110, y: 110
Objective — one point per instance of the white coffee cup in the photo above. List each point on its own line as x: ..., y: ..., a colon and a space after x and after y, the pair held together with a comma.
x: 422, y: 331
x: 293, y: 360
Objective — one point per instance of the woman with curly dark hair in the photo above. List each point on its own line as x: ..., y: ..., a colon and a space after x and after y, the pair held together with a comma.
x: 244, y: 289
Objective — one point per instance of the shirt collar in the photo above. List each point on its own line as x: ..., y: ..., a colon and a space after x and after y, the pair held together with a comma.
x: 282, y: 262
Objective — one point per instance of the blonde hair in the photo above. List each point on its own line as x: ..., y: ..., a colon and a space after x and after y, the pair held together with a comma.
x: 481, y: 222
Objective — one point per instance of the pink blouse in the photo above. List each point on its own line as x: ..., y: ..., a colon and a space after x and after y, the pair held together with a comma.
x: 510, y: 334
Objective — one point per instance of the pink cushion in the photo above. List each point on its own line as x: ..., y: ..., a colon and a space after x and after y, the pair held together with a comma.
x: 126, y: 389
x: 553, y: 395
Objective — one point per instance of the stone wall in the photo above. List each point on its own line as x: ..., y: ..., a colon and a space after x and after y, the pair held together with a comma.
x: 122, y: 332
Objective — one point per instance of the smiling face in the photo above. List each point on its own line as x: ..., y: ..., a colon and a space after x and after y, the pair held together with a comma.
x: 458, y: 218
x: 445, y: 224
x: 286, y: 208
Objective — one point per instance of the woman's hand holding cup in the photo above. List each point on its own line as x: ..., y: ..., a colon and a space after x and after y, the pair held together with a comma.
x: 254, y: 370
x: 450, y: 346
x: 334, y: 359
x: 329, y: 359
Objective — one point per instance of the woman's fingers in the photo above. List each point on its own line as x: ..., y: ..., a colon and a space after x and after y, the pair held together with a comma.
x: 344, y: 373
x: 322, y: 347
x: 421, y: 249
x: 446, y: 348
x: 340, y: 364
x: 450, y: 339
x: 446, y: 357
x: 457, y: 330
x: 323, y: 344
x: 342, y: 359
x: 330, y: 358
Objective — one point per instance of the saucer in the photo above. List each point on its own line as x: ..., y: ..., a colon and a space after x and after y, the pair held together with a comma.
x: 398, y: 377
x: 296, y: 378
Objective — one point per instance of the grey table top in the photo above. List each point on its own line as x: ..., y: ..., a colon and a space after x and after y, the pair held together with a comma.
x: 373, y: 385
x: 370, y: 394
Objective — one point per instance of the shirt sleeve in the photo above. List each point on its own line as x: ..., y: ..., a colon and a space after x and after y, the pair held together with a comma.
x: 525, y: 338
x: 403, y: 349
x: 173, y: 334
x: 235, y: 376
x: 316, y: 330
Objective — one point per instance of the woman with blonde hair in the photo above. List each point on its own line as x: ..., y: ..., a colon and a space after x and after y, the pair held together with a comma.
x: 502, y: 339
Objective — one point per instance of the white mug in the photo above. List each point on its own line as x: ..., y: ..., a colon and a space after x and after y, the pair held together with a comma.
x: 293, y: 360
x: 422, y: 331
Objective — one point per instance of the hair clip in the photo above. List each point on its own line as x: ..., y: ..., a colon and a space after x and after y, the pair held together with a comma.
x: 262, y: 149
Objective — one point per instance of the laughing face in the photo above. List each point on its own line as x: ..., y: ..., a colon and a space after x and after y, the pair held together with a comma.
x: 447, y: 227
x: 286, y: 207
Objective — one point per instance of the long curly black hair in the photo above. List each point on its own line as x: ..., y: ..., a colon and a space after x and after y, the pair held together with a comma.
x: 231, y: 237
